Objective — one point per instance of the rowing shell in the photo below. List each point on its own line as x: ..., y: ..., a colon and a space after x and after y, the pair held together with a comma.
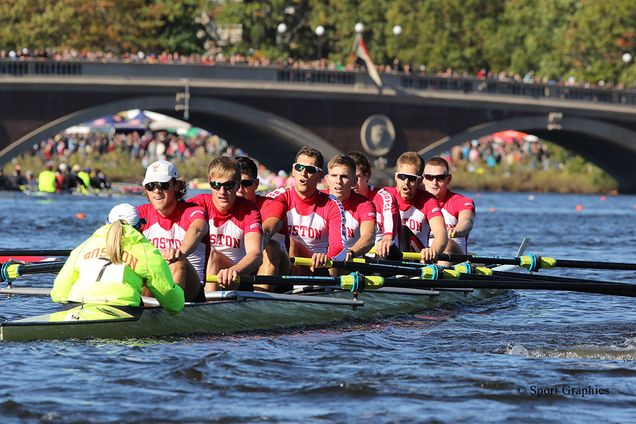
x: 239, y: 312
x: 229, y: 312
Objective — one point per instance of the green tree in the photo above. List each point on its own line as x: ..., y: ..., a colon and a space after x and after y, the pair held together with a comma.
x: 597, y: 36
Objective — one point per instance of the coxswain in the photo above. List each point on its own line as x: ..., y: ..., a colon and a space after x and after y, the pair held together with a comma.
x: 176, y: 227
x: 234, y: 223
x: 359, y: 211
x: 419, y: 211
x: 458, y: 210
x: 112, y: 266
x: 46, y: 179
x: 315, y: 220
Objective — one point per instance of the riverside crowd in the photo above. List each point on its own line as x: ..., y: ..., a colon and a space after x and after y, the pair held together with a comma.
x: 254, y: 59
x: 150, y: 146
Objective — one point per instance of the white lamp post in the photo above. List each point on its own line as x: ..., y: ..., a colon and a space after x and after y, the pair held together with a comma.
x: 359, y: 27
x: 627, y: 57
x: 397, y: 30
x: 320, y: 31
x: 281, y: 28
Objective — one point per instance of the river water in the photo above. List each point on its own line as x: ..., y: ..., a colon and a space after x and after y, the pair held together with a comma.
x: 522, y: 356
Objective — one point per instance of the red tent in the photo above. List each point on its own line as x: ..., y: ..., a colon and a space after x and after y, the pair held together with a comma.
x: 509, y: 135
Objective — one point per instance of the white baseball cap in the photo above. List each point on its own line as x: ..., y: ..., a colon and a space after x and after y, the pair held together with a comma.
x: 126, y: 212
x: 161, y: 171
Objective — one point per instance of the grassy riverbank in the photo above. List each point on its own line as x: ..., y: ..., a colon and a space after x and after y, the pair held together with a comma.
x: 574, y: 175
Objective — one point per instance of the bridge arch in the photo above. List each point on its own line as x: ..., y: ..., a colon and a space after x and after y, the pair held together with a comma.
x: 269, y: 138
x: 582, y: 136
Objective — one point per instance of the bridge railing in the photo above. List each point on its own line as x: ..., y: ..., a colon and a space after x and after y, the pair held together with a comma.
x: 316, y: 76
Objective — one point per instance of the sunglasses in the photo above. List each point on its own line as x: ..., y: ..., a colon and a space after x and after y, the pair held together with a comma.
x: 156, y: 184
x: 439, y: 178
x: 311, y: 169
x: 228, y: 185
x: 410, y: 177
x: 247, y: 183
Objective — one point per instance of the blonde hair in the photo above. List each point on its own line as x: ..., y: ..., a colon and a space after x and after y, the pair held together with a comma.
x: 224, y: 166
x: 114, y: 237
x: 412, y: 158
x: 343, y: 160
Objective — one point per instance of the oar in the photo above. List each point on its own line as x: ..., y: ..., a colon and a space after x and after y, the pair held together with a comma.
x: 10, y: 271
x: 34, y: 252
x: 530, y: 262
x: 363, y: 267
x: 357, y: 282
x: 598, y: 287
x: 467, y: 268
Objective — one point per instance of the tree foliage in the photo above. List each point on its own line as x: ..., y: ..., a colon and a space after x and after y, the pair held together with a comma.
x: 552, y: 39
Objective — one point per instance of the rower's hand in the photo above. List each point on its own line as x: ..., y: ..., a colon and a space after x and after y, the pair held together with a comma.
x: 318, y: 260
x: 429, y: 255
x: 226, y: 277
x: 171, y: 255
x: 383, y: 246
x: 451, y: 232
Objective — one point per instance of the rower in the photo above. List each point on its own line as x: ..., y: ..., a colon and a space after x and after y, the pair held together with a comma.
x: 176, y: 227
x: 359, y: 211
x: 363, y: 174
x: 275, y: 259
x: 315, y: 220
x: 234, y: 223
x: 458, y: 210
x: 419, y: 211
x: 112, y: 266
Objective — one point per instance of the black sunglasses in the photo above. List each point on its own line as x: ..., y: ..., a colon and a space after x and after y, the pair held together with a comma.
x: 156, y: 184
x: 410, y: 177
x: 228, y: 185
x: 311, y: 169
x: 439, y: 178
x: 247, y: 183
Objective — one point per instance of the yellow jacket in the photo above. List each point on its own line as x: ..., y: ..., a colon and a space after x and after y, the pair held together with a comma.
x: 87, y: 277
x: 46, y: 181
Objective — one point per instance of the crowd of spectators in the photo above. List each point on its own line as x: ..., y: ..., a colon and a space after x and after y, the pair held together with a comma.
x: 146, y: 147
x: 493, y: 150
x: 252, y: 58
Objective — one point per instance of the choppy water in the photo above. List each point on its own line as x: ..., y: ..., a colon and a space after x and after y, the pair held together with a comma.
x: 522, y: 356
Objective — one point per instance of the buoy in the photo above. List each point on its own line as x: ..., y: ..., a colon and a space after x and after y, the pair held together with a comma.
x: 80, y: 215
x: 495, y: 209
x: 603, y: 198
x: 531, y: 197
x: 579, y: 208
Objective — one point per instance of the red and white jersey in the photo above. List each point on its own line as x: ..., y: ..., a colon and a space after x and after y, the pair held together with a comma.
x: 317, y: 223
x: 227, y: 231
x: 373, y: 190
x: 272, y: 208
x: 169, y: 231
x: 415, y: 215
x: 357, y: 210
x: 387, y: 214
x: 452, y: 204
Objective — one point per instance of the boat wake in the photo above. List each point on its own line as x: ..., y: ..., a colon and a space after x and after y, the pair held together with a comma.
x: 624, y: 352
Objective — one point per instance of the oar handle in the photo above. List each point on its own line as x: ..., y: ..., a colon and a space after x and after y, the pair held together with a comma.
x: 9, y: 271
x: 307, y: 262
